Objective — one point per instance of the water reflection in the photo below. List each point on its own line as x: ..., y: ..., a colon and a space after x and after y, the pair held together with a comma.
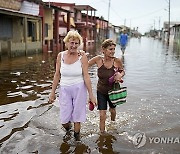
x: 105, y: 143
x: 78, y: 148
x: 65, y: 148
x: 26, y: 78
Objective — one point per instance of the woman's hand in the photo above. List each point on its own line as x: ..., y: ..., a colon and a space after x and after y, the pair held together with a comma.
x: 118, y: 77
x: 52, y: 97
x: 93, y: 100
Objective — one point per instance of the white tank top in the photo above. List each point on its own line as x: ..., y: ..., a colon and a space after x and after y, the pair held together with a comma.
x: 71, y: 73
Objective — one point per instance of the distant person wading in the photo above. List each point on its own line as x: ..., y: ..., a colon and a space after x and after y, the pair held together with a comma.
x: 123, y: 40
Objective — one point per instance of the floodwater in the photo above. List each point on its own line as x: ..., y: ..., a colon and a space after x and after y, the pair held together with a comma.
x: 149, y: 122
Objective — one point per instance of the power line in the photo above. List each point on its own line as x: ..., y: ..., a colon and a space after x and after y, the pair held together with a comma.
x: 121, y: 17
x: 142, y: 16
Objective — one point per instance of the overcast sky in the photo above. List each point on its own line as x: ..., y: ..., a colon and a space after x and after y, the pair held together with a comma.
x: 144, y: 14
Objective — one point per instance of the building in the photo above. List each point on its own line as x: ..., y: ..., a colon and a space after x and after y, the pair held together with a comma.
x: 20, y: 27
x: 176, y: 36
x: 54, y: 26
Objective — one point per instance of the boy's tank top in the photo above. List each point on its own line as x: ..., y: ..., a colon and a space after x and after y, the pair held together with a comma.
x: 71, y: 73
x: 104, y: 74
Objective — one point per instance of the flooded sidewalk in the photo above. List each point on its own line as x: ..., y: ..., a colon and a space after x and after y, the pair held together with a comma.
x: 147, y: 123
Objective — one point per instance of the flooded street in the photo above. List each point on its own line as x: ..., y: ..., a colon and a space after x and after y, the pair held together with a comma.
x: 149, y: 122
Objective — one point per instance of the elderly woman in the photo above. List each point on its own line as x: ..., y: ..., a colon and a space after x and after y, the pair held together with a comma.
x: 72, y: 73
x: 107, y: 65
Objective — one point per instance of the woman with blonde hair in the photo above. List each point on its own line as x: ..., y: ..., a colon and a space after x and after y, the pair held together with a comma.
x: 107, y: 66
x: 72, y: 74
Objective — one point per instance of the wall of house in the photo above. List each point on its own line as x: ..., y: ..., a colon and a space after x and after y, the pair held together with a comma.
x: 10, y: 4
x: 16, y: 49
x: 20, y: 49
x: 177, y: 36
x: 18, y: 30
x: 49, y: 20
x: 171, y: 37
x: 39, y: 30
x: 34, y: 47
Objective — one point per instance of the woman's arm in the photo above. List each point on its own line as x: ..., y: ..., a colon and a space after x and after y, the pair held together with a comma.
x: 121, y: 72
x: 86, y: 77
x: 93, y: 61
x: 55, y: 79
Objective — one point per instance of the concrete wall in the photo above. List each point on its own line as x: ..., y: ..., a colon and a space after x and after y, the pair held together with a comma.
x: 16, y: 49
x: 34, y: 47
x: 20, y: 49
x: 4, y: 46
x: 18, y: 29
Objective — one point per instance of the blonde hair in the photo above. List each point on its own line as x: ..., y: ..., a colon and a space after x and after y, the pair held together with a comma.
x: 73, y: 34
x: 107, y: 43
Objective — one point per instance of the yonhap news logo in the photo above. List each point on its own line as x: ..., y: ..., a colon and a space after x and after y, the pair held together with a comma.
x: 140, y: 139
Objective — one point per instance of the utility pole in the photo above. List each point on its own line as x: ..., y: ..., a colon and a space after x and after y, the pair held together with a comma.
x: 124, y: 22
x: 108, y: 18
x: 159, y: 22
x: 109, y: 9
x: 169, y: 21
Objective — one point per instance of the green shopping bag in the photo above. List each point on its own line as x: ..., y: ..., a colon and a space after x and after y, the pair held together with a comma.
x: 118, y: 94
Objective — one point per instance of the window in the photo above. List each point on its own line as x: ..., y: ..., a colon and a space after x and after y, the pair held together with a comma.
x: 31, y: 30
x: 5, y: 27
x: 46, y: 30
